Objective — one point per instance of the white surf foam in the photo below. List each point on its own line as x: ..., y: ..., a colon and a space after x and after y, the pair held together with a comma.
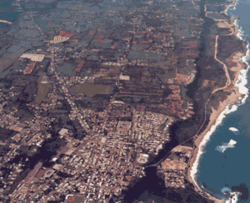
x: 225, y: 146
x: 231, y: 197
x: 233, y: 129
x: 204, y: 141
x: 225, y: 189
x: 220, y: 149
x: 232, y: 143
x: 241, y: 86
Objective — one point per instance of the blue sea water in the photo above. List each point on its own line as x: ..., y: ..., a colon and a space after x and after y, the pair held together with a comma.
x: 231, y: 168
x: 9, y: 10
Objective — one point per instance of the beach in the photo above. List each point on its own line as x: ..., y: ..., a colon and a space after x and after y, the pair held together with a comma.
x: 238, y: 95
x: 201, y: 140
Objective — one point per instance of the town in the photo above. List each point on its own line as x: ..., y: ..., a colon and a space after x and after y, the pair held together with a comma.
x: 89, y: 101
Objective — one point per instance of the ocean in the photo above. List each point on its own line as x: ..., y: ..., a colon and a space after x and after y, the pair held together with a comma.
x: 9, y: 11
x: 225, y: 165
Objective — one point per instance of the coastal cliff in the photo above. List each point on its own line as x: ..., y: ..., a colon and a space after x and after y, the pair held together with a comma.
x: 220, y: 65
x: 229, y: 50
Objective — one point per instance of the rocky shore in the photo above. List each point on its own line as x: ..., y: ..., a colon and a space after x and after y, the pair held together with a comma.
x: 214, y: 113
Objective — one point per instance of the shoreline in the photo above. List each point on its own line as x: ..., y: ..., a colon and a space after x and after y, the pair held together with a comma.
x: 233, y: 3
x: 200, y: 142
x: 5, y: 21
x: 239, y: 94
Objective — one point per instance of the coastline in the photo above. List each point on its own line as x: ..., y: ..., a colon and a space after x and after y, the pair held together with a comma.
x: 200, y: 142
x: 239, y: 94
x: 233, y: 3
x: 5, y: 21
